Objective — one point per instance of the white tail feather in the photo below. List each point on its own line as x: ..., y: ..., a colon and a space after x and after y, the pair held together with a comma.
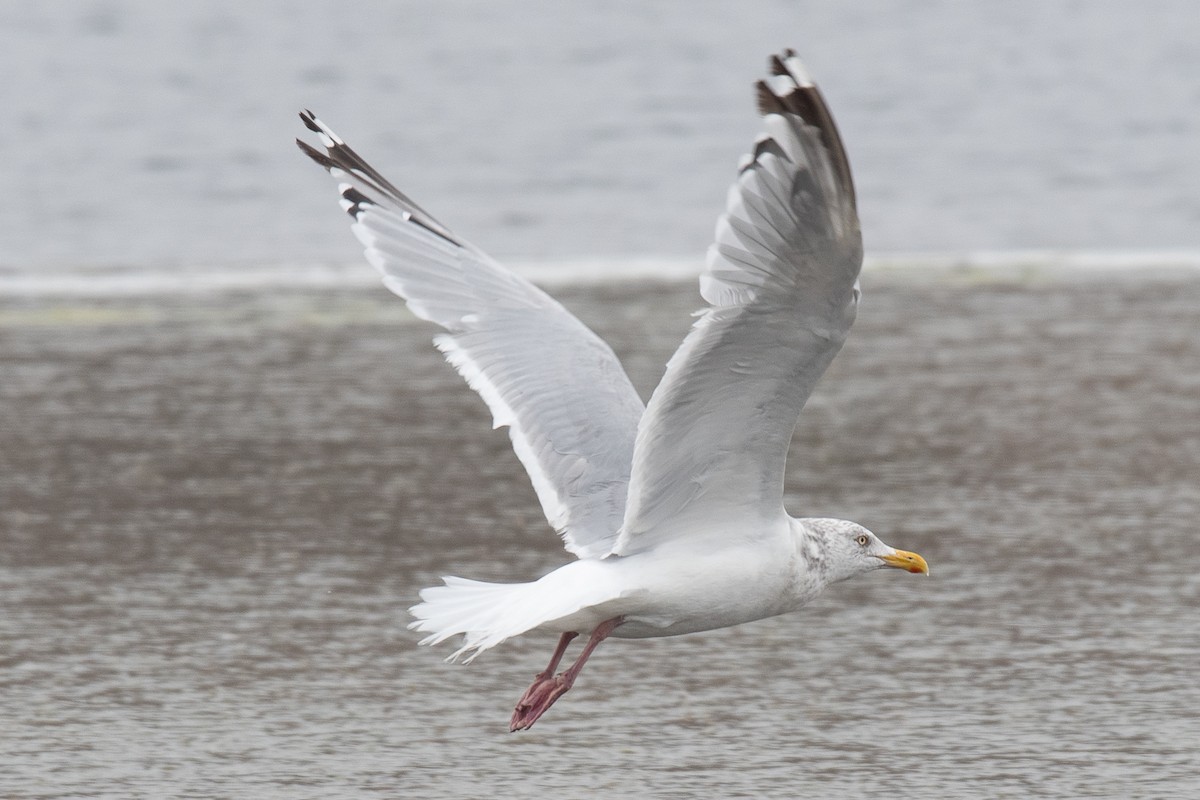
x: 488, y: 613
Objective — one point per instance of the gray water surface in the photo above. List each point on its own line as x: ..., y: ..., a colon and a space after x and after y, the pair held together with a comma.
x: 149, y: 134
x: 214, y: 511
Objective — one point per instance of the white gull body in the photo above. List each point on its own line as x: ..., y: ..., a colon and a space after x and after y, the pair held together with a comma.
x: 674, y: 510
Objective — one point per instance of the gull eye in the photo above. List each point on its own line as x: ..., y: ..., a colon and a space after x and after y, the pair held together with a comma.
x: 863, y: 540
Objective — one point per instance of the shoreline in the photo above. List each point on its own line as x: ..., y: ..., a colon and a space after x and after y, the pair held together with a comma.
x: 980, y: 266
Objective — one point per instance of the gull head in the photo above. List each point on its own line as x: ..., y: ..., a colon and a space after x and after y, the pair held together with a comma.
x: 852, y: 550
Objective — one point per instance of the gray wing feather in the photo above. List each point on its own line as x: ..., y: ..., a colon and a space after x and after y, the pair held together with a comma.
x: 781, y: 281
x: 571, y: 411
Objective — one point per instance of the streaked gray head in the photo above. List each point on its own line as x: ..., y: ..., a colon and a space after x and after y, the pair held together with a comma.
x: 848, y: 549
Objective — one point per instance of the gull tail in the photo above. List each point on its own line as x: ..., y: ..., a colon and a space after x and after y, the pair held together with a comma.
x: 488, y: 613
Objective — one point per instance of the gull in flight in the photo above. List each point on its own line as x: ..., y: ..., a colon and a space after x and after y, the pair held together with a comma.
x: 674, y: 509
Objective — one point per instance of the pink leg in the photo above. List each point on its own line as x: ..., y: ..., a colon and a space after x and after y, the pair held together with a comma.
x: 546, y: 689
x: 545, y: 678
x: 559, y: 651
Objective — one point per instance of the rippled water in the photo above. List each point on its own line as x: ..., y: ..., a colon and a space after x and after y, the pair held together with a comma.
x: 214, y: 511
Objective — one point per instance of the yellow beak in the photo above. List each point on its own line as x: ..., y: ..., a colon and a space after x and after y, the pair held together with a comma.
x: 902, y: 559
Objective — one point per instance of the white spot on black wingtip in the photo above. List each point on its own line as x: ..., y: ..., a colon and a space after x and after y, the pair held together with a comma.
x: 323, y: 132
x: 353, y: 201
x: 762, y: 145
x: 787, y: 87
x: 342, y: 162
x: 788, y: 63
x: 789, y: 90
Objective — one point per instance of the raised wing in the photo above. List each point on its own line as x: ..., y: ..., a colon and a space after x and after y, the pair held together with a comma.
x: 781, y: 280
x: 571, y: 411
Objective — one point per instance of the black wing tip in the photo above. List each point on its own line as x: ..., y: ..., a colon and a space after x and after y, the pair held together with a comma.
x: 804, y: 100
x: 801, y: 97
x: 315, y: 154
x: 310, y: 120
x: 767, y: 101
x: 775, y: 64
x: 338, y: 155
x: 355, y: 200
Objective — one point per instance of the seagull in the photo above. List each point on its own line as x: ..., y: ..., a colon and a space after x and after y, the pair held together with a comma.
x: 674, y: 510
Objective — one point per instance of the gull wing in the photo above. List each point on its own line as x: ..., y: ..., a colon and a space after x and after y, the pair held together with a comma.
x: 571, y: 411
x: 781, y: 283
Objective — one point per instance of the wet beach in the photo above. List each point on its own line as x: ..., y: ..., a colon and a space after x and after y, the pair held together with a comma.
x: 216, y: 507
